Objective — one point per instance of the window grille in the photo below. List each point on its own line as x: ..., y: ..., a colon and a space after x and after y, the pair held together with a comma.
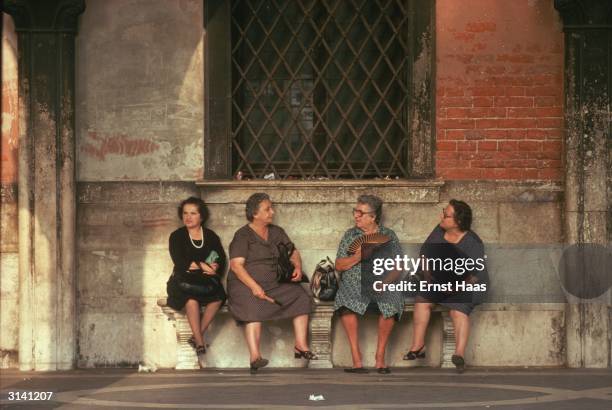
x: 319, y: 89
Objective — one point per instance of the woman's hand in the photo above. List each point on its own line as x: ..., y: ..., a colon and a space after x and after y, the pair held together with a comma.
x: 208, y: 269
x: 296, y: 276
x: 343, y: 264
x: 194, y: 266
x: 258, y: 292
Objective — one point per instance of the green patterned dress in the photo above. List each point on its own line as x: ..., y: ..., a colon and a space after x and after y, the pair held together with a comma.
x: 349, y: 294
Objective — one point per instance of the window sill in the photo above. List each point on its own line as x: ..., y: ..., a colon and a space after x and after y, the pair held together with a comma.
x: 342, y: 191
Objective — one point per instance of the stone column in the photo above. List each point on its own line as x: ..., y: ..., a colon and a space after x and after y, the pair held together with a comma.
x: 588, y: 165
x: 47, y: 319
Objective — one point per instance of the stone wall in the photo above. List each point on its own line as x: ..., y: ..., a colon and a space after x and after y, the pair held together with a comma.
x: 124, y: 264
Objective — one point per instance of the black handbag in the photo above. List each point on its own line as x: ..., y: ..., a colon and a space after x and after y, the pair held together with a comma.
x: 325, y: 281
x: 197, y: 284
x: 284, y: 267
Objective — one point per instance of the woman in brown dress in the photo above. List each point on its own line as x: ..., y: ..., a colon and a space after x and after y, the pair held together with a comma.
x: 254, y: 293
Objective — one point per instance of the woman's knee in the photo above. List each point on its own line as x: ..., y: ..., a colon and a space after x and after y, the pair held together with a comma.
x: 250, y: 326
x: 458, y: 315
x: 423, y: 306
x: 348, y: 317
x: 216, y: 303
x: 192, y: 303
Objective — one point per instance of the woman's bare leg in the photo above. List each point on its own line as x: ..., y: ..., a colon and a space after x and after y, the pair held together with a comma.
x: 252, y: 333
x: 209, y: 314
x: 384, y: 330
x: 461, y: 323
x: 422, y: 313
x: 351, y: 327
x: 192, y: 308
x: 300, y: 328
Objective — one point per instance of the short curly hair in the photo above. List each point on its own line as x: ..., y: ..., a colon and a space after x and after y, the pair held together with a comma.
x: 463, y: 214
x: 252, y: 204
x: 202, y: 208
x: 375, y: 204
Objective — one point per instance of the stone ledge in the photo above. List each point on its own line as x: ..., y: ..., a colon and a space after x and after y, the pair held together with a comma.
x: 393, y: 191
x: 291, y: 192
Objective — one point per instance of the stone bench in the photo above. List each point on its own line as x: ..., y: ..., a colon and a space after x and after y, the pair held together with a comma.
x: 320, y: 335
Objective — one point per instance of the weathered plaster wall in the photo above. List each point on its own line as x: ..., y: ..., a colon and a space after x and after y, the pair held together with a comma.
x: 499, y: 79
x: 139, y: 82
x: 9, y: 273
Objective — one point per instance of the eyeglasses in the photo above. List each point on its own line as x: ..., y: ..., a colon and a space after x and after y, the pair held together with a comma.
x: 446, y: 216
x: 360, y: 213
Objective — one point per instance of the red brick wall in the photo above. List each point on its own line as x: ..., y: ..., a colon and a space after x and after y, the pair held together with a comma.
x: 499, y: 90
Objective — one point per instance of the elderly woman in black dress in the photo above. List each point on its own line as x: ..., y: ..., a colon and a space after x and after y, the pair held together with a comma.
x: 453, y: 239
x: 255, y: 295
x: 199, y: 260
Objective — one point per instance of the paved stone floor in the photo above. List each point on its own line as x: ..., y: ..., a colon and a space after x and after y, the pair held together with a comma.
x: 278, y: 389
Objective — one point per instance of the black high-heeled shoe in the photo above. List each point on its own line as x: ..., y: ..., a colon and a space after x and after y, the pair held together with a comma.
x: 201, y: 355
x: 191, y: 342
x: 415, y: 354
x: 258, y: 363
x: 306, y: 354
x: 459, y: 363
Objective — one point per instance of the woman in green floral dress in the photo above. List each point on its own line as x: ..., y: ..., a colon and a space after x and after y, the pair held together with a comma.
x: 350, y: 301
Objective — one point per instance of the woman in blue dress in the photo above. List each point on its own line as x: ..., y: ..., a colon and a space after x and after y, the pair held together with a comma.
x: 352, y: 301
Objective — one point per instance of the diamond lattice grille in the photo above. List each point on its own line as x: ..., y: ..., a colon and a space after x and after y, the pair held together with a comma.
x: 320, y: 88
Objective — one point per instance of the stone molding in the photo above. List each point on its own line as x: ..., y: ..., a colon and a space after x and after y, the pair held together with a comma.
x: 395, y: 191
x: 219, y: 192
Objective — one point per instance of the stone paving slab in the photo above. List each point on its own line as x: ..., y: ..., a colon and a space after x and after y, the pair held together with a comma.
x: 280, y: 389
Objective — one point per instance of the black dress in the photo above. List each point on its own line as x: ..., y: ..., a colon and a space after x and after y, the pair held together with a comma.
x: 183, y: 253
x: 470, y: 246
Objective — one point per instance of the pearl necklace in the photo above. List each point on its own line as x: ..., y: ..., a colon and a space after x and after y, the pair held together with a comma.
x: 191, y: 239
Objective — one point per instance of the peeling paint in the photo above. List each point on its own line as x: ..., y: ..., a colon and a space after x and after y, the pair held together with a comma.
x: 118, y: 144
